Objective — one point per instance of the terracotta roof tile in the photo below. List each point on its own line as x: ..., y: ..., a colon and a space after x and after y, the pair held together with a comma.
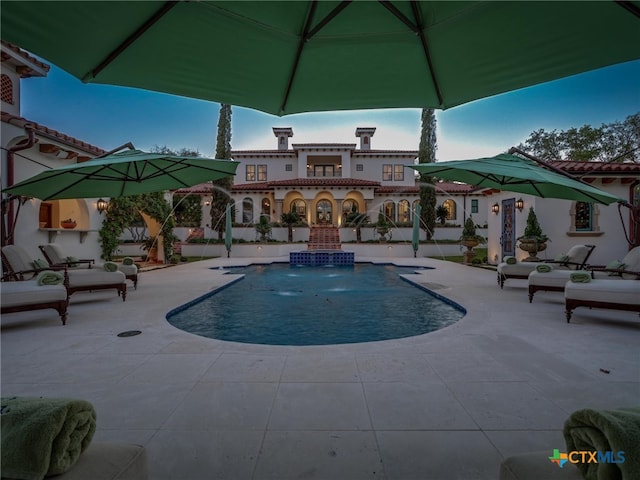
x: 448, y: 187
x: 597, y: 167
x: 26, y: 56
x: 324, y: 181
x: 62, y: 137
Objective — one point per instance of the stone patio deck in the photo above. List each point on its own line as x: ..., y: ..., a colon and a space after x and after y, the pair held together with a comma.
x: 445, y: 405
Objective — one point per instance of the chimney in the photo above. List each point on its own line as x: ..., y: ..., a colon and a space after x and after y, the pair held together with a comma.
x: 365, y: 134
x: 283, y: 135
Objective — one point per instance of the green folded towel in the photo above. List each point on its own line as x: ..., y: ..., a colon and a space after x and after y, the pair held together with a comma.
x: 72, y: 261
x: 606, y: 431
x: 510, y: 260
x: 615, y: 265
x: 43, y: 436
x: 580, y: 277
x: 127, y: 261
x: 49, y: 277
x: 39, y: 264
x: 543, y: 268
x: 111, y: 266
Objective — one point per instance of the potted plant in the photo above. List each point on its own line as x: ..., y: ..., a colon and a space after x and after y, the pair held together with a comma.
x: 383, y: 227
x: 470, y: 239
x: 68, y: 223
x: 533, y: 240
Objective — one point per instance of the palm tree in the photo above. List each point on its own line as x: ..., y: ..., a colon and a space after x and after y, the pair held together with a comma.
x: 442, y: 213
x: 356, y: 219
x: 290, y: 219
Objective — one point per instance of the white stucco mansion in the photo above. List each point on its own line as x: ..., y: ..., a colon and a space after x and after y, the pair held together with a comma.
x: 324, y: 182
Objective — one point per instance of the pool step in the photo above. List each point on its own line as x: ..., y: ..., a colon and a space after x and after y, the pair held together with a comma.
x: 324, y: 238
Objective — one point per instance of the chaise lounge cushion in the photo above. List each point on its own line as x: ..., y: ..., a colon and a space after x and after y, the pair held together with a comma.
x: 605, y: 290
x: 94, y: 276
x: 28, y: 292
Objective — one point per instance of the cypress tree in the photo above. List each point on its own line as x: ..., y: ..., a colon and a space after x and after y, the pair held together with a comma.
x: 427, y: 154
x: 221, y: 192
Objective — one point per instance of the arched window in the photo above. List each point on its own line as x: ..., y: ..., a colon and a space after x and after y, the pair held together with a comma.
x: 450, y: 205
x: 404, y: 215
x: 265, y: 208
x: 349, y: 206
x: 247, y: 210
x: 300, y: 207
x: 389, y: 211
x: 6, y: 88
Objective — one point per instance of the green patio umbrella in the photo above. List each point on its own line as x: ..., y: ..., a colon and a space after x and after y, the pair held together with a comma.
x: 285, y: 57
x: 415, y: 239
x: 125, y: 173
x: 228, y: 230
x: 515, y: 174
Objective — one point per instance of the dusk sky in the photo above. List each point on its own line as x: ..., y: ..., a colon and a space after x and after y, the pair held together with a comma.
x: 108, y: 116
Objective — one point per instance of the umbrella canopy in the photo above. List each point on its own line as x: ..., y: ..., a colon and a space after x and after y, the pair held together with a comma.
x: 228, y: 230
x: 285, y: 57
x: 516, y: 174
x: 126, y: 173
x: 415, y: 239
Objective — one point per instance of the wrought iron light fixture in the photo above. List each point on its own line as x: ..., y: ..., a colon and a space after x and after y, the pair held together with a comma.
x: 520, y: 204
x: 102, y: 205
x: 495, y: 208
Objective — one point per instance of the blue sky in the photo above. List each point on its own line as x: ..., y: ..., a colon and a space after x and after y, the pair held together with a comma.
x: 108, y: 116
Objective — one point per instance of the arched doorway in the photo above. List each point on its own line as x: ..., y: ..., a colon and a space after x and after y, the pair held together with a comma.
x: 323, y: 212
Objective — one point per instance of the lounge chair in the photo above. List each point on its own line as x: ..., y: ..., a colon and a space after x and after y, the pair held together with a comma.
x: 620, y: 294
x: 55, y: 255
x: 19, y: 265
x: 556, y: 279
x: 576, y: 259
x: 29, y: 295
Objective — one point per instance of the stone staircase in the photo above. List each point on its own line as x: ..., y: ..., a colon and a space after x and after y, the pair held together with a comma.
x: 323, y: 237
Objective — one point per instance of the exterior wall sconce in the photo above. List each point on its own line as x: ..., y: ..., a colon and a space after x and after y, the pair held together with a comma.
x: 102, y: 205
x: 520, y: 204
x: 495, y: 208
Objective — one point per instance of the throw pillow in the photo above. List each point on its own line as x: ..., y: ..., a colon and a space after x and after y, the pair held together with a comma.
x: 39, y: 264
x: 111, y: 266
x: 562, y: 258
x: 615, y: 265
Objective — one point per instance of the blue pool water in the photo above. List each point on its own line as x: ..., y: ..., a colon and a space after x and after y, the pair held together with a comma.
x: 306, y: 305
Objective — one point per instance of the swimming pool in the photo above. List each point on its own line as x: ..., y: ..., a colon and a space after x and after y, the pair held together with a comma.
x: 285, y: 304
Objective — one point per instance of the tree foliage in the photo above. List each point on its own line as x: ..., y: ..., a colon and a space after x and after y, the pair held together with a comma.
x: 427, y: 154
x: 222, y: 187
x: 618, y: 141
x: 125, y: 211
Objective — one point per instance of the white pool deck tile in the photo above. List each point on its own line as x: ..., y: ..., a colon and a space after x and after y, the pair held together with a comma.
x: 446, y: 405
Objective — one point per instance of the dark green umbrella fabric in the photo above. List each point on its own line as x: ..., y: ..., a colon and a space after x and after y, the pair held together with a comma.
x: 125, y: 173
x: 516, y: 174
x: 285, y: 57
